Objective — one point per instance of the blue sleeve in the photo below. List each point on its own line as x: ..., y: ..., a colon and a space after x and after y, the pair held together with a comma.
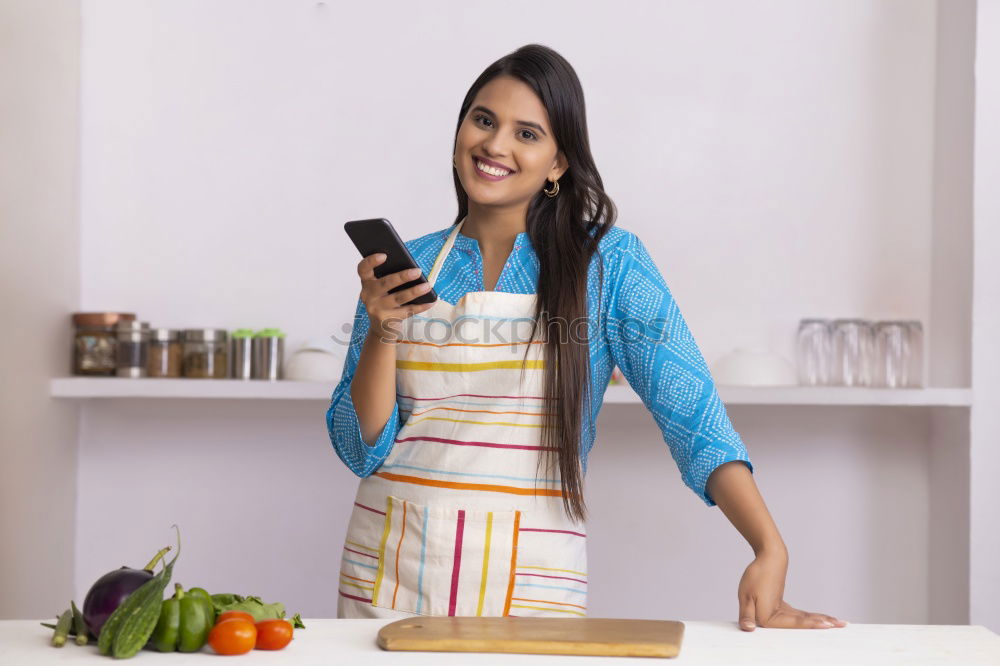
x: 342, y: 419
x: 651, y: 344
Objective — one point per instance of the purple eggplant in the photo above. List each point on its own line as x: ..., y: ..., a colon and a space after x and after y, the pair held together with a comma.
x: 112, y: 589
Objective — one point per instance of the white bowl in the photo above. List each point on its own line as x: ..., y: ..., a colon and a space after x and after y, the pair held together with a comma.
x: 753, y: 367
x: 319, y: 360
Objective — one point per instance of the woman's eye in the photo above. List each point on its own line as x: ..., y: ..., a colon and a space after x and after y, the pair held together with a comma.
x: 531, y: 136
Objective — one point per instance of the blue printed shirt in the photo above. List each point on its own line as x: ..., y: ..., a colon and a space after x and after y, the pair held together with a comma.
x: 639, y: 328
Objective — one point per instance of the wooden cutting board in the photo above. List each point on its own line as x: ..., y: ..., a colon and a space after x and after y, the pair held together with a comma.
x: 535, y: 635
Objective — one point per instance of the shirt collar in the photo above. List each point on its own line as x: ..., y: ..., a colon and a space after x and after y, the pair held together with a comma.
x: 469, y: 243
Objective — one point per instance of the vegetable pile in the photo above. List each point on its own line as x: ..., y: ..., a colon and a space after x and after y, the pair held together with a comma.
x: 125, y: 612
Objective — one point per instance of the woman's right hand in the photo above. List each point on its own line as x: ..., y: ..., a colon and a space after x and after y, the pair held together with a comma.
x: 386, y: 311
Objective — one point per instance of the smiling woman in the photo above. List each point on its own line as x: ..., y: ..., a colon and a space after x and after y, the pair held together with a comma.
x: 512, y: 172
x: 477, y: 507
x: 473, y: 449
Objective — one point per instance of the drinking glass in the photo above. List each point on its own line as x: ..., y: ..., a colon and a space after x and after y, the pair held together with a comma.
x: 892, y: 354
x: 812, y: 352
x: 852, y: 352
x: 915, y: 377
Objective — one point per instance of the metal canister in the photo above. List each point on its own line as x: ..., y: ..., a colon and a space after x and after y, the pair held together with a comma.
x: 132, y: 348
x: 268, y: 350
x: 241, y: 354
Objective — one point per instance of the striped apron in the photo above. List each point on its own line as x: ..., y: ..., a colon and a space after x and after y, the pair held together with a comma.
x: 459, y: 520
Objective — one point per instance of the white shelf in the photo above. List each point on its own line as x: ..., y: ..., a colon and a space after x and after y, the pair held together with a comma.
x: 840, y: 395
x: 120, y: 387
x: 821, y: 395
x: 113, y: 387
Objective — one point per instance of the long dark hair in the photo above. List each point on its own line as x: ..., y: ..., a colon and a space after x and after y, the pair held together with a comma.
x: 565, y: 231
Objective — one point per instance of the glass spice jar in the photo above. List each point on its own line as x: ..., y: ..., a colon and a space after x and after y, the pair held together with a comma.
x: 95, y: 342
x: 133, y: 348
x: 206, y: 353
x: 165, y: 354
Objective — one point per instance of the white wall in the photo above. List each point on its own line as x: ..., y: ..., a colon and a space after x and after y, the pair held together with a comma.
x: 777, y: 159
x: 950, y: 329
x: 39, y: 287
x: 985, y: 424
x: 226, y: 143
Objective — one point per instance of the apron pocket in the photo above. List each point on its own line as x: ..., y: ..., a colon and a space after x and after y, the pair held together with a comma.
x: 445, y: 560
x: 359, y: 561
x: 550, y: 576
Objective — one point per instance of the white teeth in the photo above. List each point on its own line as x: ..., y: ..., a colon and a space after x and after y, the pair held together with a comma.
x: 493, y: 171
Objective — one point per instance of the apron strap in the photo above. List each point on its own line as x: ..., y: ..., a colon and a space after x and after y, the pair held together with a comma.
x: 439, y: 260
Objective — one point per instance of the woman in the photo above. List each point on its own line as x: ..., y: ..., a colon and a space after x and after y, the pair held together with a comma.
x: 448, y: 410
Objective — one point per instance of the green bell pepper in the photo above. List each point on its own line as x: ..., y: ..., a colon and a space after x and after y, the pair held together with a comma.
x: 185, y: 620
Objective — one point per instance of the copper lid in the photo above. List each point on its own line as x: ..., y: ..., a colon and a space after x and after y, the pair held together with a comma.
x: 101, y: 318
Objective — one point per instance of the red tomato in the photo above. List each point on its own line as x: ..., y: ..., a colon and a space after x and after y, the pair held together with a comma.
x: 229, y: 614
x: 273, y: 634
x: 233, y: 636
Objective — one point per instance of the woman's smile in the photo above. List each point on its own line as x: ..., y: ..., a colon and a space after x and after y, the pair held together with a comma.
x: 489, y: 171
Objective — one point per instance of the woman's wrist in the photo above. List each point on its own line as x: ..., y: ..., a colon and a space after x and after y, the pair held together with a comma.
x: 376, y: 334
x: 772, y: 549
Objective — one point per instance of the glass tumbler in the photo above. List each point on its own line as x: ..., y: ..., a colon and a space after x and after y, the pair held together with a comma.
x: 916, y: 374
x: 851, y: 352
x: 892, y: 354
x: 812, y: 352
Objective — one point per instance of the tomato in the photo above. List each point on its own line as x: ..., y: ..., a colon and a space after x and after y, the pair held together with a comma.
x: 233, y: 636
x: 273, y: 634
x: 229, y: 614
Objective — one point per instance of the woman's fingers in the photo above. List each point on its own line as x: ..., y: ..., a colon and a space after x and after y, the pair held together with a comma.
x: 748, y: 614
x: 407, y: 295
x: 399, y: 277
x: 375, y: 290
x: 421, y: 307
x: 366, y: 267
x: 788, y: 617
x: 387, y: 310
x: 805, y: 620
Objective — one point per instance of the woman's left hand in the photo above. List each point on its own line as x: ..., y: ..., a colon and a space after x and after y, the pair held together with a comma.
x: 760, y: 593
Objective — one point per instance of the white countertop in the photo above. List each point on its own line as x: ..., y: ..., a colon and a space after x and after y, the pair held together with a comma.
x: 719, y: 643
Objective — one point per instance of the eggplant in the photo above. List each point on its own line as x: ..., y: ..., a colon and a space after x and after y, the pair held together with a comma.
x: 112, y: 589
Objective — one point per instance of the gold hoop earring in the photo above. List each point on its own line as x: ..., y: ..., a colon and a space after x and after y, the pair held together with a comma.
x: 554, y: 191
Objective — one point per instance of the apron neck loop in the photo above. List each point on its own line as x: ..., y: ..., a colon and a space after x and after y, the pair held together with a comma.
x: 439, y: 260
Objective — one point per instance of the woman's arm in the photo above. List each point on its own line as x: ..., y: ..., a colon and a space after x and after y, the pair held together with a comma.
x: 656, y: 352
x: 370, y: 369
x: 362, y: 449
x: 732, y: 488
x: 373, y: 390
x: 762, y: 587
x: 651, y: 343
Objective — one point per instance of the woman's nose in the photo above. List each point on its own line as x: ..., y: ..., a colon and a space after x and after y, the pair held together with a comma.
x: 496, y: 146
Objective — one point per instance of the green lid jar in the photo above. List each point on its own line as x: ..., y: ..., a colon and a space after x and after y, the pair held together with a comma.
x: 268, y: 350
x: 241, y: 354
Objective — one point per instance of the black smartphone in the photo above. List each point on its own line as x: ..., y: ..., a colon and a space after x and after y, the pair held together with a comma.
x: 378, y: 235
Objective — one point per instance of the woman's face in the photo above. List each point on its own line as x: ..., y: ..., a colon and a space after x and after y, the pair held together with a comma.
x: 508, y: 125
